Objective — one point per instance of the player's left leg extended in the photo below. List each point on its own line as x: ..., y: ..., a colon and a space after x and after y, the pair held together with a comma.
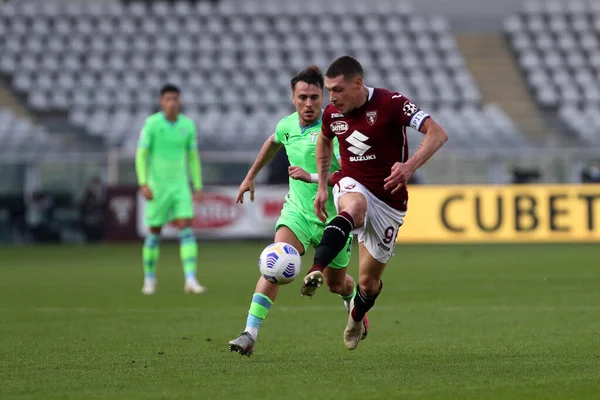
x: 340, y: 282
x: 183, y: 212
x: 377, y: 241
x: 369, y: 286
x: 288, y: 230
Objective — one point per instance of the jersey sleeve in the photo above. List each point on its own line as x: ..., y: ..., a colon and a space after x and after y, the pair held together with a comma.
x: 326, y: 124
x: 406, y: 113
x: 278, y: 135
x: 145, y: 140
x: 193, y: 137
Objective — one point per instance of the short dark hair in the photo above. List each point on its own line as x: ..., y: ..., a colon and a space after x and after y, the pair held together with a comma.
x: 346, y: 66
x: 310, y: 75
x: 169, y: 88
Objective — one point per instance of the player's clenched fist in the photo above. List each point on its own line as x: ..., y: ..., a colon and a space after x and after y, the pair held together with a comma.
x: 321, y: 205
x: 299, y: 174
x: 246, y: 186
x: 146, y: 192
x: 400, y: 174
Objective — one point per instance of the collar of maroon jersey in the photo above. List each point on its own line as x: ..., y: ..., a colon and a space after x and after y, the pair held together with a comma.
x: 370, y: 91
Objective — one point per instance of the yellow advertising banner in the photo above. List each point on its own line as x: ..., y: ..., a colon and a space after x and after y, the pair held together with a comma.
x: 516, y: 213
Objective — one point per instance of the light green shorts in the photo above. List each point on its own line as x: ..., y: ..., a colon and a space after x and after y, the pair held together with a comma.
x: 169, y: 204
x: 310, y: 233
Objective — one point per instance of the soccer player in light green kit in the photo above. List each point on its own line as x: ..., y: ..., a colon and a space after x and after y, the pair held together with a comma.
x: 167, y: 149
x: 298, y: 224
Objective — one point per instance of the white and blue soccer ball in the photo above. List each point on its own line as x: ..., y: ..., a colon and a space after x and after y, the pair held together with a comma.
x: 280, y: 263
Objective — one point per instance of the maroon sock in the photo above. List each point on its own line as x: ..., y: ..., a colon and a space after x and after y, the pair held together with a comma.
x: 363, y: 303
x: 317, y: 267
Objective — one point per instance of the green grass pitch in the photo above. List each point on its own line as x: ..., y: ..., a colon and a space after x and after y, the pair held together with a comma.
x: 453, y: 322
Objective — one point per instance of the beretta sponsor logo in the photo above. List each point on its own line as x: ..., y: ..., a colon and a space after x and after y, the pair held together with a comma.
x: 339, y: 127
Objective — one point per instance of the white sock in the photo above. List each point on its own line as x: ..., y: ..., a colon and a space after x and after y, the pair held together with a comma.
x: 252, y: 331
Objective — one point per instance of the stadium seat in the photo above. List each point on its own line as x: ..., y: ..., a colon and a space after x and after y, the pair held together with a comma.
x: 226, y: 57
x: 20, y: 136
x: 558, y: 49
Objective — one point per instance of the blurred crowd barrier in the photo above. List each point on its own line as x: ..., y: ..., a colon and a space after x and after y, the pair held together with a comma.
x: 470, y: 196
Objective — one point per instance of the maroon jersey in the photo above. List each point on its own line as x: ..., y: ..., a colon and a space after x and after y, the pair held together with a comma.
x: 373, y: 138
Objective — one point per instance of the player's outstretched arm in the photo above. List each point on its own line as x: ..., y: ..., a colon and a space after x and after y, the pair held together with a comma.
x: 266, y: 154
x: 323, y: 153
x: 435, y: 137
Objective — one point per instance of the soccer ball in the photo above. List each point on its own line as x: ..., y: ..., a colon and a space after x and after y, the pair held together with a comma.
x: 279, y: 263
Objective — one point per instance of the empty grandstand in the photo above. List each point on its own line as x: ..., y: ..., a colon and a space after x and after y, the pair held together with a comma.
x: 557, y: 45
x: 102, y: 62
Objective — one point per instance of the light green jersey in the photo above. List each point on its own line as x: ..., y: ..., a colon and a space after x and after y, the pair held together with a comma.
x: 168, y: 145
x: 300, y: 144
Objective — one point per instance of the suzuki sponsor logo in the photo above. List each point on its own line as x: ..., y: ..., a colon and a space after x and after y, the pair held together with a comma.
x: 357, y: 140
x: 339, y: 127
x: 363, y: 158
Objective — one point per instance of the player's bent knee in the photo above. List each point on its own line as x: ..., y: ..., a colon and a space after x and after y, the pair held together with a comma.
x: 369, y: 285
x: 334, y: 285
x: 357, y: 207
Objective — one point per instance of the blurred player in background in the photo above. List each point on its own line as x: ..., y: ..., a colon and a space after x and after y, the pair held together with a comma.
x: 370, y: 193
x: 167, y: 150
x: 298, y: 224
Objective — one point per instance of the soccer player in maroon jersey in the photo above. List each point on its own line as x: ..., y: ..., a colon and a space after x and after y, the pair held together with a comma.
x: 370, y: 191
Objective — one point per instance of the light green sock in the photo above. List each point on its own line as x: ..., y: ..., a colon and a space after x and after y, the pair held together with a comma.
x: 259, y: 308
x: 188, y: 250
x: 349, y: 297
x: 150, y: 255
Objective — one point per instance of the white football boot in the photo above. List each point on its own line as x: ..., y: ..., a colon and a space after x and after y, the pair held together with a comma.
x: 312, y: 281
x: 193, y: 286
x: 149, y: 286
x: 355, y: 330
